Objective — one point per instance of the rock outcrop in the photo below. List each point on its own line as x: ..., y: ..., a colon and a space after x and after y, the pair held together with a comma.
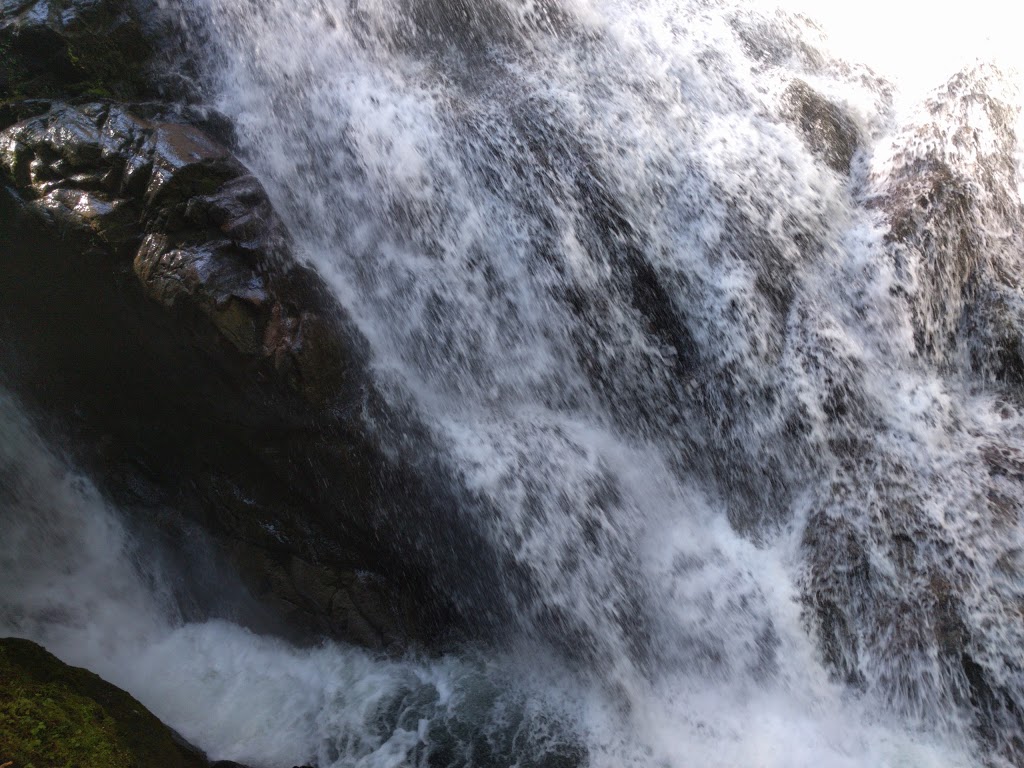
x: 158, y: 310
x: 55, y: 714
x: 828, y: 130
x: 202, y: 236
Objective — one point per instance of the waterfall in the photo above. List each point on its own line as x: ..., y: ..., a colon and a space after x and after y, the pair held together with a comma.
x: 747, y: 473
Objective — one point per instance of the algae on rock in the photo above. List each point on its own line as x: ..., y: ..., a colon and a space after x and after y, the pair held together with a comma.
x: 53, y: 715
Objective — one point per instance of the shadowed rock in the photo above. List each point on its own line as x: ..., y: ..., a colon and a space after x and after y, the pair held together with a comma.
x: 63, y: 47
x: 172, y: 328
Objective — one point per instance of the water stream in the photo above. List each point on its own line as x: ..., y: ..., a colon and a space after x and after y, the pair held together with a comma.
x: 741, y: 516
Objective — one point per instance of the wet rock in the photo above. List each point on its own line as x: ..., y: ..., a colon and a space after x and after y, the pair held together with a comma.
x: 55, y: 714
x: 901, y: 594
x: 949, y: 197
x: 155, y: 310
x: 828, y: 130
x: 200, y: 229
x: 778, y: 39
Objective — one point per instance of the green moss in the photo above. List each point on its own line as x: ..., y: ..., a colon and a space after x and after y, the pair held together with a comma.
x: 56, y: 716
x: 98, y: 91
x: 49, y: 725
x: 109, y: 67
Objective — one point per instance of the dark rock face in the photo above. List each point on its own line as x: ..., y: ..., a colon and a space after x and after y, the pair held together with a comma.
x: 55, y: 714
x: 827, y: 129
x: 155, y: 307
x: 200, y: 229
x: 64, y: 47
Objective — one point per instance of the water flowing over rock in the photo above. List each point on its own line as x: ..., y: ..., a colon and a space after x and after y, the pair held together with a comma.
x: 951, y: 200
x: 285, y: 381
x: 907, y: 552
x: 649, y: 349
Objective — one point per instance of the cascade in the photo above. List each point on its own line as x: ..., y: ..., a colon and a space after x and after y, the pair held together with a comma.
x: 728, y: 381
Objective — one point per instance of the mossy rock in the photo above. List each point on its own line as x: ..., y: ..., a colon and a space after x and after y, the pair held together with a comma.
x: 66, y: 48
x: 53, y: 715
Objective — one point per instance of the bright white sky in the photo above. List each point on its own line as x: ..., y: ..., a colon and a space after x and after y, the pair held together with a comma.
x: 920, y: 43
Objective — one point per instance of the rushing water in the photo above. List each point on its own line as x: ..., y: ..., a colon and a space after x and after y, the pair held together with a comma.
x: 738, y: 444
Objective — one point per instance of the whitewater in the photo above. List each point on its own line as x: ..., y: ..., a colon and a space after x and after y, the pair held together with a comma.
x: 733, y: 440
